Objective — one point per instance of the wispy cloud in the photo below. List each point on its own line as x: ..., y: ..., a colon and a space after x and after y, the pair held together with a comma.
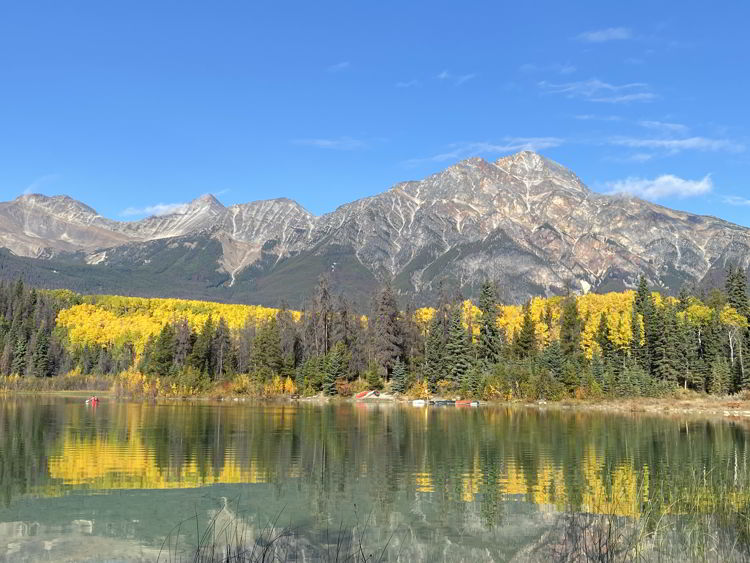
x: 37, y: 184
x: 407, y: 84
x: 157, y: 210
x: 664, y: 127
x: 595, y: 90
x: 736, y: 200
x: 666, y: 185
x: 674, y: 146
x: 458, y: 151
x: 338, y: 67
x: 456, y: 79
x: 593, y: 117
x: 559, y: 68
x: 341, y: 143
x: 604, y: 35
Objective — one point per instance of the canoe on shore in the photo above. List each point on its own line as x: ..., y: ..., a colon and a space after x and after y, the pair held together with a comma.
x: 467, y: 403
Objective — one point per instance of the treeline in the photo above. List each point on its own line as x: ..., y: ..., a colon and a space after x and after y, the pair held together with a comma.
x: 29, y: 343
x: 630, y: 344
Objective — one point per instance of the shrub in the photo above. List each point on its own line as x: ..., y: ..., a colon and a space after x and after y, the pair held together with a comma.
x: 344, y: 388
x: 419, y: 390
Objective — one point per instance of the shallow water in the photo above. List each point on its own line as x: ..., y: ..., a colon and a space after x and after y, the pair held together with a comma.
x: 132, y: 481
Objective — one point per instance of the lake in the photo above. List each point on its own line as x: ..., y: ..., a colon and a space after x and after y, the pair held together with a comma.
x: 136, y: 481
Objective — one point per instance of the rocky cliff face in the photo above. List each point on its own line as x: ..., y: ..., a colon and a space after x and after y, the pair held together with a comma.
x: 525, y: 221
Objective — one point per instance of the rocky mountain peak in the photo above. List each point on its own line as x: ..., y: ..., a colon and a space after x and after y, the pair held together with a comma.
x: 531, y: 167
x: 205, y: 203
x: 58, y: 204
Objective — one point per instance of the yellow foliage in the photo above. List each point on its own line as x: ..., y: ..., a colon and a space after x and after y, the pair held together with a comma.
x: 114, y: 320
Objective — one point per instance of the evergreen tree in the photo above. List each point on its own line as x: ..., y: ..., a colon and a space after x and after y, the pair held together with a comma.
x: 736, y: 289
x: 184, y: 337
x: 161, y: 357
x: 552, y: 360
x: 476, y: 381
x: 398, y: 379
x: 457, y: 349
x: 570, y: 330
x: 525, y: 344
x: 720, y: 375
x: 201, y: 355
x: 642, y: 309
x: 490, y: 341
x: 388, y: 338
x: 222, y: 349
x: 267, y: 348
x: 19, y: 357
x: 40, y: 359
x: 323, y: 317
x: 434, y: 368
x: 335, y: 368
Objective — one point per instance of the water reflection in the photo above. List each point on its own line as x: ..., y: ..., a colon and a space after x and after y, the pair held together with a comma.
x: 470, y: 475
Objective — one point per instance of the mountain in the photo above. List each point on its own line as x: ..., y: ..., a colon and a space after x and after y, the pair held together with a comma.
x: 523, y: 220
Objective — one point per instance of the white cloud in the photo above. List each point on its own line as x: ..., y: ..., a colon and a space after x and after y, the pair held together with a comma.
x: 407, y: 84
x: 595, y: 90
x: 593, y: 117
x: 157, y: 210
x: 736, y: 200
x: 607, y: 34
x: 666, y: 185
x: 559, y: 68
x: 665, y: 127
x: 338, y: 67
x: 342, y: 143
x: 457, y: 79
x: 458, y: 151
x: 674, y: 146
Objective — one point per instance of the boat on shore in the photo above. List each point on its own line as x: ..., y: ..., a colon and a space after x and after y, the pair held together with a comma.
x: 467, y: 403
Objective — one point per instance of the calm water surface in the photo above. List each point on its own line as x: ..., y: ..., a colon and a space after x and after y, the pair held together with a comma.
x: 111, y: 483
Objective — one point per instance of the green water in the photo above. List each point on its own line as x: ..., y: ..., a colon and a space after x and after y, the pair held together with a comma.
x: 112, y: 483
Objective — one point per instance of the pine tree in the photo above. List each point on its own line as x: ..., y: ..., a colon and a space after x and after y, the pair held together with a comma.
x: 184, y: 337
x: 490, y: 341
x: 552, y: 360
x: 643, y: 307
x: 720, y: 374
x: 398, y: 379
x: 40, y: 358
x: 570, y: 330
x: 200, y: 357
x: 335, y: 368
x: 267, y: 348
x: 222, y: 349
x: 434, y: 369
x: 525, y: 344
x: 457, y: 349
x: 476, y: 381
x: 388, y: 338
x: 736, y: 289
x: 19, y: 357
x: 323, y: 317
x: 162, y: 352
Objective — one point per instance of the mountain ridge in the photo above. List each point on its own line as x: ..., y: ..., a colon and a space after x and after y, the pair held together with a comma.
x: 523, y: 220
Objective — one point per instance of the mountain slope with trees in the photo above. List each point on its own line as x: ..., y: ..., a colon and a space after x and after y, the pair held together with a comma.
x: 633, y: 343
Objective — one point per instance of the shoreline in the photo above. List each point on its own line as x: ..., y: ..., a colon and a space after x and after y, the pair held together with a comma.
x: 700, y: 407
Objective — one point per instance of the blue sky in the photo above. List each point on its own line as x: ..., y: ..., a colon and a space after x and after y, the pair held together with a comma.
x: 129, y: 105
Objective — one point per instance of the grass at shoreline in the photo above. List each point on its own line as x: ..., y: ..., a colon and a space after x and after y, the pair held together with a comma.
x: 75, y: 385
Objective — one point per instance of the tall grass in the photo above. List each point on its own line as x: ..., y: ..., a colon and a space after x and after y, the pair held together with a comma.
x: 227, y: 538
x: 703, y: 518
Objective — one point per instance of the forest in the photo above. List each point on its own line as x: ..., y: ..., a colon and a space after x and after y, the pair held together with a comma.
x: 628, y: 344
